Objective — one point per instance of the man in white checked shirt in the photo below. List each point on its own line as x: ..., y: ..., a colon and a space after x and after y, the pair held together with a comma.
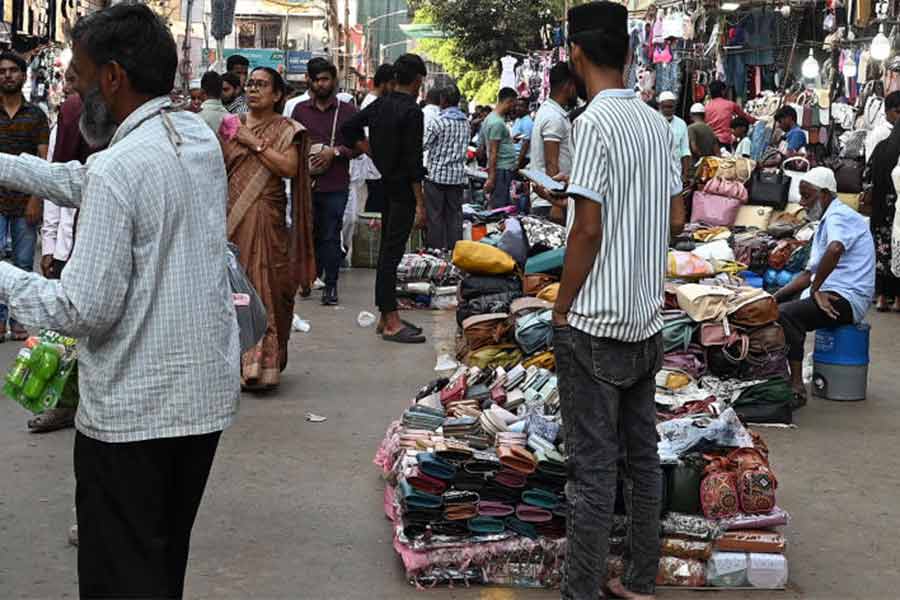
x: 146, y: 293
x: 607, y: 314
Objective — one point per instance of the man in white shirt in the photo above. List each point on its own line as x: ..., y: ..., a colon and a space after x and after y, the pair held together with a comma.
x: 550, y: 144
x: 883, y: 130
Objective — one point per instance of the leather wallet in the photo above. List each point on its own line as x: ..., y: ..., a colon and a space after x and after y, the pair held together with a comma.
x: 425, y: 483
x: 413, y: 498
x: 539, y: 444
x: 423, y: 515
x: 491, y: 508
x: 452, y: 450
x: 514, y: 399
x: 551, y: 463
x: 478, y: 392
x: 460, y: 512
x: 435, y: 466
x: 551, y: 483
x: 414, y: 530
x: 453, y: 497
x: 477, y: 442
x: 507, y: 417
x: 521, y: 527
x: 540, y: 498
x: 486, y: 525
x: 498, y: 396
x: 468, y: 481
x: 533, y: 514
x: 499, y: 378
x: 510, y: 479
x: 518, y: 459
x: 554, y: 528
x: 511, y: 438
x: 483, y: 462
x: 515, y: 377
x: 455, y: 390
x: 452, y: 528
x: 493, y: 491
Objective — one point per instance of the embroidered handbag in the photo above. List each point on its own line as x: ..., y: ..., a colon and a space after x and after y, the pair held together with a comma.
x: 712, y: 209
x: 718, y: 490
x: 756, y: 484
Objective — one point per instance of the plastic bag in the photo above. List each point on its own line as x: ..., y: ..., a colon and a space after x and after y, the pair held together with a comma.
x: 251, y: 312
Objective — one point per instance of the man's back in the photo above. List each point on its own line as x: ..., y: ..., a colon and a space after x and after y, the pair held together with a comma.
x: 623, y: 160
x: 703, y: 139
x: 396, y: 132
x: 212, y: 112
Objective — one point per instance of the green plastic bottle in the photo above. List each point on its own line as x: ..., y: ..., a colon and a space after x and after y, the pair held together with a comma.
x: 18, y: 373
x: 43, y: 365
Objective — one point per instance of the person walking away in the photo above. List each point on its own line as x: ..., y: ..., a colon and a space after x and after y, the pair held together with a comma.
x: 23, y: 130
x: 158, y: 346
x: 881, y: 221
x: 238, y: 66
x: 681, y: 154
x: 838, y: 284
x: 212, y: 111
x: 701, y: 137
x: 278, y: 259
x: 551, y: 150
x: 446, y: 144
x: 882, y: 131
x: 58, y: 228
x: 395, y: 125
x: 720, y: 111
x: 794, y: 137
x: 743, y: 148
x: 501, y: 152
x: 383, y: 85
x: 324, y: 115
x: 607, y: 317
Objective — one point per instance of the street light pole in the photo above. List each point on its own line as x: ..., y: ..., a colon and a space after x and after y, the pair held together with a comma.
x: 368, y: 31
x: 384, y: 46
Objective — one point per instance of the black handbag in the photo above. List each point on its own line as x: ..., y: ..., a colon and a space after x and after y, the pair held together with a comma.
x: 770, y: 189
x: 849, y: 174
x: 476, y: 286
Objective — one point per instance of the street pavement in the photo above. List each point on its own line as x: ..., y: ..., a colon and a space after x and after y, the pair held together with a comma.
x: 293, y: 509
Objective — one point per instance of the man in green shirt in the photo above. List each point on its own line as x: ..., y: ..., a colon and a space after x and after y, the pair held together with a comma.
x: 501, y: 151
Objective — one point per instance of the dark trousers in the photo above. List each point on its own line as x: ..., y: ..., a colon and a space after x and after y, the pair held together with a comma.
x: 443, y: 205
x: 136, y: 503
x: 501, y: 196
x: 328, y: 208
x: 375, y: 199
x: 607, y: 392
x: 799, y: 316
x: 887, y: 285
x: 397, y: 221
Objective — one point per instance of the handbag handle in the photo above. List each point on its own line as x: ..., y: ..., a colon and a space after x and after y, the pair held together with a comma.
x: 795, y: 158
x: 744, y: 349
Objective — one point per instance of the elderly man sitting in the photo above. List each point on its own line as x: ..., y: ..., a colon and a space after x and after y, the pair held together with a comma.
x: 839, y: 281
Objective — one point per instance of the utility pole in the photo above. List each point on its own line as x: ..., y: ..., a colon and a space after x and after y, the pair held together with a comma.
x: 186, y: 51
x: 346, y: 45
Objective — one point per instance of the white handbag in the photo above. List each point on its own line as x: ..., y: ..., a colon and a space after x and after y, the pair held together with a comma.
x: 796, y: 176
x: 717, y: 250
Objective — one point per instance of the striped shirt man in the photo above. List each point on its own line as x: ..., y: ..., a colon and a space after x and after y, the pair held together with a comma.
x: 623, y: 153
x: 446, y: 142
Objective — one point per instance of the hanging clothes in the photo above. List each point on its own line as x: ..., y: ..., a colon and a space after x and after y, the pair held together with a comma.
x: 508, y: 74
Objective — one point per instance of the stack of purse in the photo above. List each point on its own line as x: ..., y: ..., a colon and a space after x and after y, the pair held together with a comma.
x: 422, y: 417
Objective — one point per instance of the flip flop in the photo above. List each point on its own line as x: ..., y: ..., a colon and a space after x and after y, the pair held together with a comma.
x: 379, y: 329
x: 407, y: 335
x: 52, y: 420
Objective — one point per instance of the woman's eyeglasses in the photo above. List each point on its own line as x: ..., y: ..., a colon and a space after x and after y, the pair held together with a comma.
x: 257, y: 84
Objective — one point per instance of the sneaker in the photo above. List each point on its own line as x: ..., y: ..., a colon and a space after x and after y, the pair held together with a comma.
x: 318, y: 284
x: 330, y: 297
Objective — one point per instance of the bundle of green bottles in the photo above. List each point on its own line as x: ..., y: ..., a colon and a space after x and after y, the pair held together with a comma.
x: 45, y: 373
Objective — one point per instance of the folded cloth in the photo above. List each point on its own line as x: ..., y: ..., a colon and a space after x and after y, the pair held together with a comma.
x: 452, y: 450
x: 486, y: 525
x: 454, y: 528
x: 491, y: 508
x: 454, y: 497
x: 540, y: 498
x: 532, y: 514
x: 521, y: 527
x: 413, y: 498
x: 482, y: 462
x: 435, y: 466
x: 511, y: 479
x: 517, y: 459
x: 493, y: 491
x: 460, y: 512
x: 424, y: 482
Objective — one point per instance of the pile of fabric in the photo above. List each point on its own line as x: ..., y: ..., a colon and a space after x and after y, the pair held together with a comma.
x: 475, y: 466
x: 427, y: 279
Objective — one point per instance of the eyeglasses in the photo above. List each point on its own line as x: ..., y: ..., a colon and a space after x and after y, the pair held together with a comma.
x: 257, y: 84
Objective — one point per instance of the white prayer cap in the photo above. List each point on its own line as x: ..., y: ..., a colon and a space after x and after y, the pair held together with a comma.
x: 822, y: 178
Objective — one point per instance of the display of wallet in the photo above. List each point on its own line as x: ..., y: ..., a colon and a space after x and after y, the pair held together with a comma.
x: 460, y: 512
x: 521, y: 527
x: 483, y: 462
x: 452, y: 528
x: 456, y: 497
x: 435, y: 466
x: 493, y: 491
x: 491, y: 508
x: 518, y: 459
x: 425, y: 483
x: 533, y: 514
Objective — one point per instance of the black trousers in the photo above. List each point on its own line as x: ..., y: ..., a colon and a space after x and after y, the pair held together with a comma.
x: 799, y: 316
x: 397, y: 221
x: 136, y: 503
x: 375, y: 199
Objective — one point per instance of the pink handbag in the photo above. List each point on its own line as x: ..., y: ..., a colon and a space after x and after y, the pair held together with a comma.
x: 724, y: 187
x: 713, y: 209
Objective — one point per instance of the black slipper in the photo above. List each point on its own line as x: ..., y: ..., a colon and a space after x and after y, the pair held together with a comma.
x: 407, y: 335
x: 412, y: 326
x: 799, y: 400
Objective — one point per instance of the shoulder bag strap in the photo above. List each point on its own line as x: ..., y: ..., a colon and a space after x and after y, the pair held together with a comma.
x: 337, y: 111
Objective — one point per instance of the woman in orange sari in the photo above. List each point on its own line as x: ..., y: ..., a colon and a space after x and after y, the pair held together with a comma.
x: 277, y: 255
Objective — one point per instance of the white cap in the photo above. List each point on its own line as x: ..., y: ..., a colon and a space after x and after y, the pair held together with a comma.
x: 698, y: 109
x: 822, y: 178
x: 667, y: 97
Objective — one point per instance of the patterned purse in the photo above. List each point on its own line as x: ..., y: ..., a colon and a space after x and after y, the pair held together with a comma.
x: 718, y: 490
x: 756, y: 484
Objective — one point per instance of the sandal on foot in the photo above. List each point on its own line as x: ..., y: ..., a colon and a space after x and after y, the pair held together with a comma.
x: 379, y: 329
x: 799, y: 400
x: 407, y: 335
x: 52, y: 420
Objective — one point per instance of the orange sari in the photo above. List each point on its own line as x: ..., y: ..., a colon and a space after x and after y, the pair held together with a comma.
x: 279, y: 259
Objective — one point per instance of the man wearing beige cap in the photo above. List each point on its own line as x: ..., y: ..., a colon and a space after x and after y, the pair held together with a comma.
x: 839, y: 282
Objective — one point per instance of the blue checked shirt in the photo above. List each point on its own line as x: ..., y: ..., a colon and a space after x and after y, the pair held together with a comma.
x: 146, y: 291
x: 446, y: 142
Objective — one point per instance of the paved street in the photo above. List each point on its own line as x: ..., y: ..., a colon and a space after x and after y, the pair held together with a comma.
x: 293, y: 509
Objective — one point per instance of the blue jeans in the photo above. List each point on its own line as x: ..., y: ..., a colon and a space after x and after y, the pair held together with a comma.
x: 501, y: 194
x: 607, y: 399
x: 23, y: 237
x: 328, y: 208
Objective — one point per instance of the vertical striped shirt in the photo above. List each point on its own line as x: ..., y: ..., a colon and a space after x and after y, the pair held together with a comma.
x: 623, y: 159
x: 446, y: 142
